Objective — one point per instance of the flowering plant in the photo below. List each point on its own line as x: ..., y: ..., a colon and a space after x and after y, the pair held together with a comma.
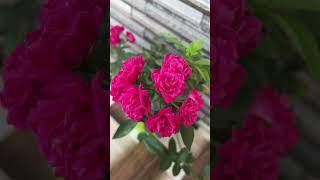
x: 256, y: 79
x: 160, y: 93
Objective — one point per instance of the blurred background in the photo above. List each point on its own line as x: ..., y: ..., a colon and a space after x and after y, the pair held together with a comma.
x: 19, y: 156
x: 189, y: 20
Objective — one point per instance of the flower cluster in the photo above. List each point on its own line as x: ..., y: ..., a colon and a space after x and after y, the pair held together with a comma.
x: 268, y: 133
x: 42, y: 94
x: 115, y: 32
x: 236, y: 34
x: 169, y: 81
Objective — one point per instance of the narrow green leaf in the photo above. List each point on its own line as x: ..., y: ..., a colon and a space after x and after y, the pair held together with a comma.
x: 202, y: 62
x: 183, y: 154
x: 206, y: 170
x: 176, y: 169
x: 124, y: 128
x: 165, y: 164
x: 204, y: 72
x: 172, y: 146
x: 310, y: 5
x: 190, y: 158
x: 153, y: 145
x: 187, y: 135
x: 186, y: 169
x: 303, y: 40
x: 174, y: 40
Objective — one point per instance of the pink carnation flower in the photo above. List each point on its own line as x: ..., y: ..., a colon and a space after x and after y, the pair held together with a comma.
x: 168, y: 84
x: 175, y: 64
x: 130, y: 37
x: 135, y: 102
x: 189, y: 109
x: 132, y: 67
x: 118, y: 85
x: 166, y: 123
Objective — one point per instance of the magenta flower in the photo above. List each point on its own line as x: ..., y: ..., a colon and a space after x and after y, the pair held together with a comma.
x: 166, y: 123
x: 168, y: 84
x: 118, y: 85
x: 176, y: 64
x: 130, y: 37
x: 188, y: 112
x: 135, y: 103
x: 132, y: 67
x: 115, y: 32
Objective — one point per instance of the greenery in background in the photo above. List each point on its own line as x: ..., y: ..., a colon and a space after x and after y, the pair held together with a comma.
x: 166, y: 44
x: 15, y: 20
x: 289, y: 47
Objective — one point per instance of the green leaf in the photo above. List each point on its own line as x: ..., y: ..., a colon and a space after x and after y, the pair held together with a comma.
x: 176, y: 169
x: 172, y: 146
x: 190, y: 158
x: 186, y: 169
x: 183, y: 154
x: 174, y: 40
x: 187, y: 135
x: 124, y: 128
x: 206, y: 170
x: 165, y: 164
x: 153, y: 145
x: 140, y: 127
x: 204, y: 72
x: 158, y: 62
x: 303, y: 40
x: 194, y: 48
x: 310, y: 5
x: 202, y: 62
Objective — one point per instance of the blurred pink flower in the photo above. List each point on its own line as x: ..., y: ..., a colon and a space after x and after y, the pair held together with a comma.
x: 66, y: 134
x: 247, y: 156
x: 234, y: 15
x: 227, y: 74
x: 269, y: 132
x: 272, y: 110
